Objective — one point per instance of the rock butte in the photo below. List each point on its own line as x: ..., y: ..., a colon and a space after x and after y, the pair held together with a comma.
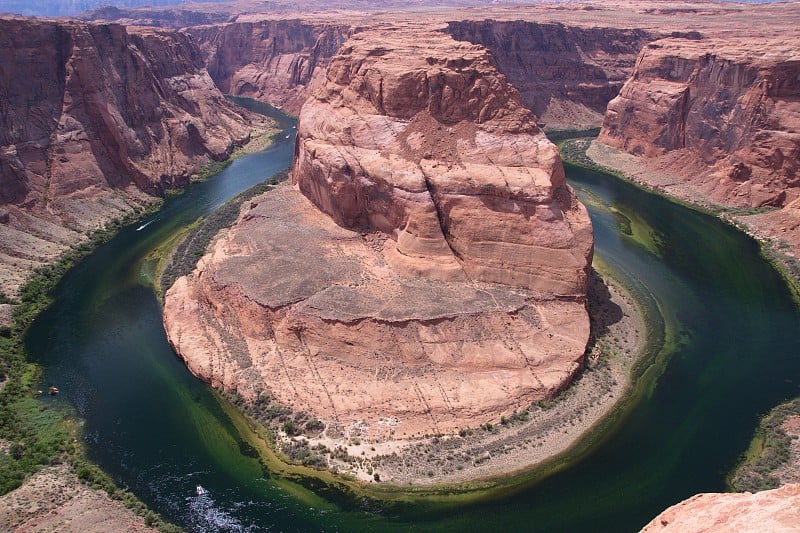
x: 426, y: 273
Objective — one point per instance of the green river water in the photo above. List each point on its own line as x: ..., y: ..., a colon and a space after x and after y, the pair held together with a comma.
x: 728, y: 351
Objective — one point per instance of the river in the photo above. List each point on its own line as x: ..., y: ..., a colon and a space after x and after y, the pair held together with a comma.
x: 730, y: 353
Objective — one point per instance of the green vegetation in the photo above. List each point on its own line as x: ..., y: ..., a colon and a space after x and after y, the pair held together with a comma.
x: 194, y: 245
x: 39, y: 435
x: 208, y: 170
x: 563, y: 135
x: 769, y: 450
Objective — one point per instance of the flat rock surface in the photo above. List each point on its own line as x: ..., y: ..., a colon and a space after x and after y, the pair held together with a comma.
x: 54, y: 500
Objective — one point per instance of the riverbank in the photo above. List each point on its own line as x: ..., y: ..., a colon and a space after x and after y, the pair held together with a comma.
x: 776, y: 231
x: 34, y: 435
x: 773, y: 458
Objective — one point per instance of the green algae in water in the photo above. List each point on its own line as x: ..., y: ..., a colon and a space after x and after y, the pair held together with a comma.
x: 730, y: 345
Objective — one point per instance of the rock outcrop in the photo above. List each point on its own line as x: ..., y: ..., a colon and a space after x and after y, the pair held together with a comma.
x: 446, y: 285
x: 723, y: 115
x: 271, y: 60
x: 566, y: 74
x: 94, y: 119
x: 775, y: 510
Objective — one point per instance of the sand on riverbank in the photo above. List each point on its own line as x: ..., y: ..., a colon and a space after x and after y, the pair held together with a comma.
x: 514, y: 443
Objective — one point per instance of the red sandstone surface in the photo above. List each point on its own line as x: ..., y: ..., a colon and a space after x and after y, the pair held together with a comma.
x: 726, y: 76
x: 446, y: 285
x: 776, y: 511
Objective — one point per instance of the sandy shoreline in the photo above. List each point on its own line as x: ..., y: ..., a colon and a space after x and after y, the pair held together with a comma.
x: 524, y: 440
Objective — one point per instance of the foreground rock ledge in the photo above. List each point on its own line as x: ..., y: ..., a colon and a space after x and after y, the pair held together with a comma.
x: 775, y: 510
x: 426, y: 273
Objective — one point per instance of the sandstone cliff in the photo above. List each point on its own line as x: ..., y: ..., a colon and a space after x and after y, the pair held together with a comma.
x: 566, y: 74
x: 722, y: 114
x: 271, y: 60
x: 446, y: 285
x: 94, y: 118
x: 775, y: 510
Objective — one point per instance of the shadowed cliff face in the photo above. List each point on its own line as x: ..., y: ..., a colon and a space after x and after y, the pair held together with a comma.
x: 728, y: 109
x: 566, y: 75
x: 87, y: 110
x: 446, y: 285
x: 271, y: 60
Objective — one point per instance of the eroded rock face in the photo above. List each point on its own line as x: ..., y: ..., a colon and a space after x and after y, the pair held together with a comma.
x: 444, y: 288
x: 424, y: 141
x: 94, y: 117
x: 271, y: 60
x: 565, y: 74
x: 722, y: 114
x: 775, y: 510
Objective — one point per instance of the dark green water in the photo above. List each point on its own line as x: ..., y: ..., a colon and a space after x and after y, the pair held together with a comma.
x: 731, y: 345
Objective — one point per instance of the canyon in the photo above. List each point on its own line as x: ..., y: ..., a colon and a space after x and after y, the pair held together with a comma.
x: 717, y: 123
x: 409, y: 221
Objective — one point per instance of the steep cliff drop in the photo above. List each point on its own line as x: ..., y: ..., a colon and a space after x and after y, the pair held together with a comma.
x: 267, y: 59
x: 566, y: 74
x: 95, y: 120
x: 426, y: 273
x: 717, y: 121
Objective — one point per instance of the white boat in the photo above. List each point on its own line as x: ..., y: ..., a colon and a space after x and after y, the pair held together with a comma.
x: 201, y: 491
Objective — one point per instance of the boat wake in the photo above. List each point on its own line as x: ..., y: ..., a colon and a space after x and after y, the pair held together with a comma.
x: 140, y: 228
x: 205, y: 515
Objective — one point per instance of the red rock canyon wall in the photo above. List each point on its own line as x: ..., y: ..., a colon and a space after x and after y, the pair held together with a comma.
x: 87, y: 110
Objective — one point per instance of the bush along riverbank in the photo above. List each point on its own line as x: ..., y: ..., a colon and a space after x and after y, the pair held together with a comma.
x: 34, y: 435
x: 182, y: 256
x: 773, y: 458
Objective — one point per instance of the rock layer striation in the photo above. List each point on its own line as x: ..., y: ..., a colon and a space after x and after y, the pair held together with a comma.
x: 426, y: 273
x: 93, y: 118
x: 565, y: 74
x: 271, y: 60
x: 723, y: 115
